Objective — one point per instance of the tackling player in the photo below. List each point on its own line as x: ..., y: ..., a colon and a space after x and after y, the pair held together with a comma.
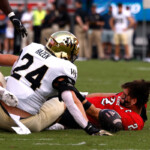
x: 111, y: 108
x: 5, y: 7
x: 39, y: 73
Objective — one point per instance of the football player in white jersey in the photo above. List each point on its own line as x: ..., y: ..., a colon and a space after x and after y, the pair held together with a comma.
x: 39, y: 74
x: 119, y: 24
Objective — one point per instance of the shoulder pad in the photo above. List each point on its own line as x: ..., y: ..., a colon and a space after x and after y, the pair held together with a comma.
x: 64, y: 68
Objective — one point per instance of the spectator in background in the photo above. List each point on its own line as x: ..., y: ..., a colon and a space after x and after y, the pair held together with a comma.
x: 130, y: 32
x: 107, y: 33
x: 3, y: 25
x: 119, y: 24
x: 81, y: 28
x: 47, y: 25
x: 17, y: 37
x: 9, y: 41
x: 26, y: 19
x: 63, y: 18
x: 95, y: 30
x: 38, y: 16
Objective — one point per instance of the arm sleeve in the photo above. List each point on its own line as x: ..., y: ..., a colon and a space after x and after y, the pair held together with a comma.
x: 73, y: 109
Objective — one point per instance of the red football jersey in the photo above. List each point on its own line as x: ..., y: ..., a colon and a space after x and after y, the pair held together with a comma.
x: 130, y: 119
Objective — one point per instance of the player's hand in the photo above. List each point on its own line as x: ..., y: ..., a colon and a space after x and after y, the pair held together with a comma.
x: 91, y: 130
x: 19, y: 26
x: 8, y: 98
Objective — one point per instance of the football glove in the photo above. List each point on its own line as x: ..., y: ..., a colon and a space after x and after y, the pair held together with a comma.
x: 8, y: 98
x: 19, y: 26
x: 91, y: 130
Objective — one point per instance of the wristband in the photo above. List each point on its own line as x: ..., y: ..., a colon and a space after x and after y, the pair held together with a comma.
x: 87, y: 105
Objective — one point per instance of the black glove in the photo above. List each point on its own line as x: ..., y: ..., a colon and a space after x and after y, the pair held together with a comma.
x: 18, y: 25
x: 91, y: 130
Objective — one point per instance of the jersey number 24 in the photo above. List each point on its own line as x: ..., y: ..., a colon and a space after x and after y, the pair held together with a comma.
x: 35, y: 76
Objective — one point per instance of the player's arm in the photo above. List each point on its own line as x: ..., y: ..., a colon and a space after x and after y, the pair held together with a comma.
x: 108, y: 119
x: 7, y: 60
x: 69, y: 94
x: 100, y: 94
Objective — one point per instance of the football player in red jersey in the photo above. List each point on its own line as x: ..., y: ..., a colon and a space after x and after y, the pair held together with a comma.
x: 115, y: 112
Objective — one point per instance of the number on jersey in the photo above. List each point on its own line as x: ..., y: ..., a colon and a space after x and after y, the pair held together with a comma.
x: 107, y: 101
x: 133, y: 126
x: 34, y: 77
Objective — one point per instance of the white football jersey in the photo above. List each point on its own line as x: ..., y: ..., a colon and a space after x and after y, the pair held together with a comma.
x: 33, y: 74
x: 121, y: 21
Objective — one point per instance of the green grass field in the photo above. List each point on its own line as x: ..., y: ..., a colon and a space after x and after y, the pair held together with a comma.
x: 93, y: 76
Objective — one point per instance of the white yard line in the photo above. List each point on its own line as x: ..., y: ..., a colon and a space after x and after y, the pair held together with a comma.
x: 58, y: 144
x: 143, y: 68
x: 42, y: 139
x: 102, y: 144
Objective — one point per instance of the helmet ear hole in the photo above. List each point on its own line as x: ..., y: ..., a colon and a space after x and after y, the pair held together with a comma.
x: 64, y: 45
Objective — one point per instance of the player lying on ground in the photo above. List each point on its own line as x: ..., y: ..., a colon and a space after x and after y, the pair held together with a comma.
x: 127, y: 106
x: 39, y: 74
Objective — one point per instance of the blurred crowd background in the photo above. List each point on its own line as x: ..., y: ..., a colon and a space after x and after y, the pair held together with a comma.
x: 105, y: 29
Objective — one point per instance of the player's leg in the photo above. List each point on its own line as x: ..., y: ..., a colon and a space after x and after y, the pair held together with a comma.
x: 6, y: 121
x: 48, y: 114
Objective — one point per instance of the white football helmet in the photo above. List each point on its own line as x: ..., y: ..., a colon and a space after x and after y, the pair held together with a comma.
x: 63, y: 44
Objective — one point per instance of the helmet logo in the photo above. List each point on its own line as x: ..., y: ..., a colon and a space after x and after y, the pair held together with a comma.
x: 69, y: 42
